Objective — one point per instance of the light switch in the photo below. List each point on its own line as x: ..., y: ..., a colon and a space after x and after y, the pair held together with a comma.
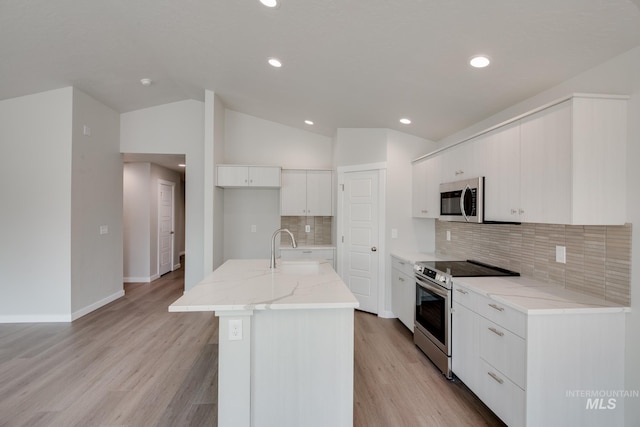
x: 253, y: 228
x: 104, y: 229
x: 394, y: 233
x: 561, y: 254
x: 307, y: 228
x: 86, y: 130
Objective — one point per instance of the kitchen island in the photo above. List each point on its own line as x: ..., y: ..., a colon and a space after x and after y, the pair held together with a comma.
x: 285, y: 354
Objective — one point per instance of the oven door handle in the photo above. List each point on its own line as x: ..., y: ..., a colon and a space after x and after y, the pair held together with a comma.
x: 464, y: 213
x: 433, y: 288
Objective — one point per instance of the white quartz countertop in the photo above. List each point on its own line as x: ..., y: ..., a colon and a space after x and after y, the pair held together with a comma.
x: 251, y: 285
x: 414, y: 257
x: 533, y: 297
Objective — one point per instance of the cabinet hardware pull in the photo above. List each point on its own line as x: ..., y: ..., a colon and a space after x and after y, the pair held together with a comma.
x: 400, y: 262
x: 307, y: 252
x: 497, y: 332
x: 495, y: 377
x: 521, y: 211
x: 463, y: 292
x: 513, y: 211
x: 496, y: 307
x: 401, y: 279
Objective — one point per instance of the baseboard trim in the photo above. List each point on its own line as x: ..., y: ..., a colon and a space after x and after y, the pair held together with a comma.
x: 96, y: 305
x: 387, y: 315
x: 143, y: 279
x: 176, y: 266
x: 36, y: 318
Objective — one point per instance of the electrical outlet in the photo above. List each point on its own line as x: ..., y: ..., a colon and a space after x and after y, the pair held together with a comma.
x: 394, y: 233
x: 254, y: 228
x: 561, y: 254
x: 235, y: 330
x: 307, y: 229
x: 448, y: 235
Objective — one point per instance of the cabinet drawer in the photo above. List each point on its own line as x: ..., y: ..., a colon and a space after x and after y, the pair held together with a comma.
x: 500, y: 394
x: 504, y: 350
x: 464, y: 296
x: 404, y: 266
x: 502, y: 315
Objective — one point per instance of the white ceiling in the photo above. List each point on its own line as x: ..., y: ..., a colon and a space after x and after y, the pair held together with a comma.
x: 347, y: 63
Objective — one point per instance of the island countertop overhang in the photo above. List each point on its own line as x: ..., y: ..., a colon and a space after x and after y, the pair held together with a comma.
x: 251, y: 285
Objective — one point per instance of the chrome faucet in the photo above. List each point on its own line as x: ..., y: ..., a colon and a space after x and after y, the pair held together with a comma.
x: 272, y: 265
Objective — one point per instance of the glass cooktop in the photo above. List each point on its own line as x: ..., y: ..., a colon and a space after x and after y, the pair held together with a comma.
x: 469, y: 268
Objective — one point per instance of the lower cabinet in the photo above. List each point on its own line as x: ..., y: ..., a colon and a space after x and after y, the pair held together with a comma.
x: 309, y: 253
x: 543, y: 368
x: 403, y: 291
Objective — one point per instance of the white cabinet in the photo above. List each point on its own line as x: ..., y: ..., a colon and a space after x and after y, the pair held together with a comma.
x: 426, y: 188
x: 500, y: 150
x: 403, y: 291
x: 525, y: 367
x: 248, y: 176
x: 309, y: 253
x: 459, y: 163
x: 564, y: 164
x: 306, y: 193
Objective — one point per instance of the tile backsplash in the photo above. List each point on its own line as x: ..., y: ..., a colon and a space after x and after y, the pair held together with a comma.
x: 320, y: 229
x: 598, y: 257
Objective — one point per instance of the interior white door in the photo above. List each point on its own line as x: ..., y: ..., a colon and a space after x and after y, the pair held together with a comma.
x: 165, y: 227
x: 360, y: 219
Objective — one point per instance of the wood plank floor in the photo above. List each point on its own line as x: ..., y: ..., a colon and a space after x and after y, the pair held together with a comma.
x: 132, y: 363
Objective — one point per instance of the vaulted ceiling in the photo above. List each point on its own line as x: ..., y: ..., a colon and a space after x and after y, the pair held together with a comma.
x: 346, y: 63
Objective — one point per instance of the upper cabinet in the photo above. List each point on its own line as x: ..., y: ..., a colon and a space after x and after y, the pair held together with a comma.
x: 564, y: 164
x: 248, y: 176
x: 306, y: 193
x: 560, y: 164
x: 426, y: 188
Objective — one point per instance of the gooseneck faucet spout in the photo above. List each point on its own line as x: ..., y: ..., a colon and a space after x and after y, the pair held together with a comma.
x: 272, y: 264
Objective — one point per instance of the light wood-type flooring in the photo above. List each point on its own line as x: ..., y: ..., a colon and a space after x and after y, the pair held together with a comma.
x: 132, y: 363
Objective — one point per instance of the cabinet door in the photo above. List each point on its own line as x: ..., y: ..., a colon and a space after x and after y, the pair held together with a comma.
x: 546, y: 162
x: 264, y: 176
x: 402, y: 297
x: 319, y: 194
x: 464, y: 348
x: 459, y: 163
x: 426, y: 188
x: 419, y: 189
x: 501, y: 152
x: 293, y: 193
x: 233, y: 176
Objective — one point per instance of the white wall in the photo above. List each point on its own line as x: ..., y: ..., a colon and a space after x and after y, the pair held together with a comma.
x: 35, y: 256
x: 620, y: 75
x: 253, y: 141
x: 176, y: 128
x: 359, y: 146
x: 218, y: 193
x: 96, y: 199
x: 136, y: 213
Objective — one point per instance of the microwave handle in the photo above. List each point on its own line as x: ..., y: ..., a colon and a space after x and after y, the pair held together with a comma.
x: 464, y: 214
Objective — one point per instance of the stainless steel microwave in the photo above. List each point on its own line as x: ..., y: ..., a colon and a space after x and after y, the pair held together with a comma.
x: 462, y: 201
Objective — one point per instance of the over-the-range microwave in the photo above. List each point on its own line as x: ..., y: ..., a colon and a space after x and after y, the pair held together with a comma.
x: 462, y: 201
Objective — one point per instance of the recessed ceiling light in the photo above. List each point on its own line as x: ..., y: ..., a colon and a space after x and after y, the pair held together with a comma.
x: 309, y: 122
x: 146, y: 82
x: 405, y: 121
x: 479, y: 61
x: 275, y: 62
x: 182, y: 165
x: 270, y: 3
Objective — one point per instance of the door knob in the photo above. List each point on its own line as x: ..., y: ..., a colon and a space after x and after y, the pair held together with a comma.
x: 373, y: 249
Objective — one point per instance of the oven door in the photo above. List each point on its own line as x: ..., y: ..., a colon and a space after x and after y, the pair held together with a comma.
x: 433, y: 313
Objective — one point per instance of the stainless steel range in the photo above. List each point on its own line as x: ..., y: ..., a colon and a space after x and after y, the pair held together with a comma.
x: 434, y: 281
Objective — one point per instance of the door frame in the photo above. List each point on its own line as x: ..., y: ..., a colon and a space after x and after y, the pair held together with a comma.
x: 173, y: 223
x: 381, y: 168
